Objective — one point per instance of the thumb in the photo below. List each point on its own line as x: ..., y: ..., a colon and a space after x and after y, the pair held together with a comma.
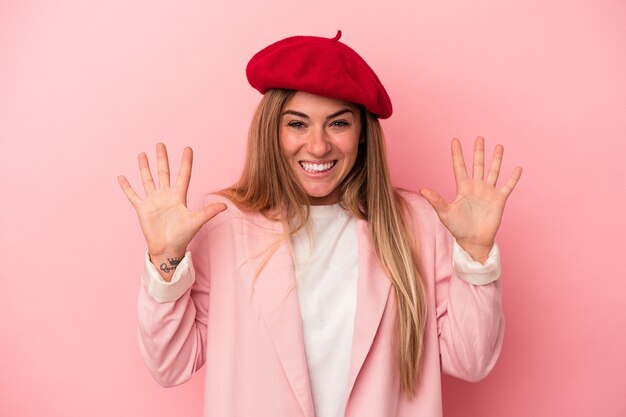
x: 208, y: 212
x: 435, y: 200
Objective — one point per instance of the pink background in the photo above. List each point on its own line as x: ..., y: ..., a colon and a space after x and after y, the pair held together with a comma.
x: 86, y: 86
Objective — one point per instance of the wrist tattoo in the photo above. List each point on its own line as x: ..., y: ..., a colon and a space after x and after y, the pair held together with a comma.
x: 172, y: 266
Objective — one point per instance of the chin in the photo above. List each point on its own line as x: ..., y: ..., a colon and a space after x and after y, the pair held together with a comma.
x: 323, y: 198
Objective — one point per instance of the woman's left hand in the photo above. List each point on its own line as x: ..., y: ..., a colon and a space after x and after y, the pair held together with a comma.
x: 474, y: 216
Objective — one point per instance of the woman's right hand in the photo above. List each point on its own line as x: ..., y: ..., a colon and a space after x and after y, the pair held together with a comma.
x: 166, y: 222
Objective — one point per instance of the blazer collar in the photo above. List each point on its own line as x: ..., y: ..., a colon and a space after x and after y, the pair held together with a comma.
x: 275, y: 290
x: 373, y: 288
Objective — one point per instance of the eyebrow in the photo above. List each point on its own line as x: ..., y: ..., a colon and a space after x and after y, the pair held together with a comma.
x: 306, y: 116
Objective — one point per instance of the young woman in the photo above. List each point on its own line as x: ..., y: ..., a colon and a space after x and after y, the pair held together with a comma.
x: 320, y: 290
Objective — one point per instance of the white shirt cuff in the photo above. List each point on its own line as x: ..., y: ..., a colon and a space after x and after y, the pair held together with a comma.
x: 163, y: 291
x: 473, y: 271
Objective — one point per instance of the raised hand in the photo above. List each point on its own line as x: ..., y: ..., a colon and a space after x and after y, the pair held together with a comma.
x: 473, y: 218
x: 166, y: 222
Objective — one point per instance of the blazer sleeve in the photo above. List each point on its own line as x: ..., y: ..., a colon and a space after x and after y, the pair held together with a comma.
x: 468, y: 296
x: 172, y: 316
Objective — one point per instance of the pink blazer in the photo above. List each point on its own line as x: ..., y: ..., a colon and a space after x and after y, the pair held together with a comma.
x: 251, y: 340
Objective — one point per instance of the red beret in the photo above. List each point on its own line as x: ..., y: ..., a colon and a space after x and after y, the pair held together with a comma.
x: 321, y: 66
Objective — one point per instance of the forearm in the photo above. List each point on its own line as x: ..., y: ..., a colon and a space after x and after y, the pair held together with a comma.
x: 166, y: 263
x: 479, y: 253
x: 469, y: 312
x: 171, y: 335
x: 170, y: 338
x: 471, y: 329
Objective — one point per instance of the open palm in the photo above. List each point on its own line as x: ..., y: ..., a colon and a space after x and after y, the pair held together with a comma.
x: 473, y: 218
x: 166, y: 222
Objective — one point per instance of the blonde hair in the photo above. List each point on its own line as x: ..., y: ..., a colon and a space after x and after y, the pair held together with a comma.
x: 267, y: 185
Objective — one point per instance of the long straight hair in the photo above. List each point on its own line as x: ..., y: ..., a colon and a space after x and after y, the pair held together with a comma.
x: 267, y: 185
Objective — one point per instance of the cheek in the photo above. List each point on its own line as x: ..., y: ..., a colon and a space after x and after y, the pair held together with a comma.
x: 286, y: 144
x: 351, y: 148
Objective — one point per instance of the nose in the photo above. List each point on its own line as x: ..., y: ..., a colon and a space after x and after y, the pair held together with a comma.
x: 318, y: 143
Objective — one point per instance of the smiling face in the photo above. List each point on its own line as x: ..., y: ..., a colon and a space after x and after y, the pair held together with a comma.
x: 319, y: 137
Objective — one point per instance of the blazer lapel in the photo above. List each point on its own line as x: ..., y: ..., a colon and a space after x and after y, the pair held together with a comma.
x: 372, y: 293
x: 276, y: 292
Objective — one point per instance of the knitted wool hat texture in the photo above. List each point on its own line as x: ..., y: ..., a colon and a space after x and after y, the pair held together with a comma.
x: 321, y: 66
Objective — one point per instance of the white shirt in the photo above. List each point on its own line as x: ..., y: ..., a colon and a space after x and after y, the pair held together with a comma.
x: 326, y: 265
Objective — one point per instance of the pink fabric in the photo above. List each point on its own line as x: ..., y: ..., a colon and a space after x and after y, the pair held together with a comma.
x: 252, y: 344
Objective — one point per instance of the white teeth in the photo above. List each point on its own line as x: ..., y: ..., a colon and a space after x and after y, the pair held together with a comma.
x: 309, y: 167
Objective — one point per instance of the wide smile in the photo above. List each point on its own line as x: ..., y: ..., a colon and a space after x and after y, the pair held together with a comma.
x: 317, y: 168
